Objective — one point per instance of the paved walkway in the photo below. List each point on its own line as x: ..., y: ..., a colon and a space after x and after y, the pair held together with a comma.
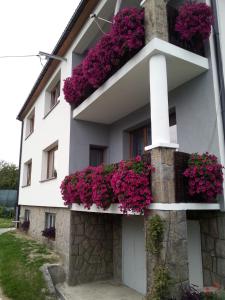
x: 103, y: 290
x: 3, y: 230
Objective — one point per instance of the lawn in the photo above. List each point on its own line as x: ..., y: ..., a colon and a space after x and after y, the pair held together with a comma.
x: 20, y: 260
x: 5, y: 223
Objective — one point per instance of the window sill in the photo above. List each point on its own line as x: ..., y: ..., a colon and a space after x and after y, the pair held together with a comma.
x: 47, y: 179
x: 24, y: 186
x: 51, y: 109
x: 28, y: 135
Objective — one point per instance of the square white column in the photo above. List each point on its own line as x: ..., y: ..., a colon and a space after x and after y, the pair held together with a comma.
x: 159, y: 106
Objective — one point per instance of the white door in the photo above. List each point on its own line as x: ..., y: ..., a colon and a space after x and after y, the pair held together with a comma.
x: 133, y: 253
x: 194, y: 253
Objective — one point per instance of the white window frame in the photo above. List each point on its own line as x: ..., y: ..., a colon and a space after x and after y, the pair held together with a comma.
x: 30, y: 122
x: 45, y: 162
x: 27, y: 173
x: 50, y: 220
x: 48, y: 107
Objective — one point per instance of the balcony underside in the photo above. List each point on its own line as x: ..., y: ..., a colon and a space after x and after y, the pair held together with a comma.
x: 128, y: 89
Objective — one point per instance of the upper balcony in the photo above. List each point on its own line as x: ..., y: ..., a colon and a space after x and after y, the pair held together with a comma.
x: 129, y: 88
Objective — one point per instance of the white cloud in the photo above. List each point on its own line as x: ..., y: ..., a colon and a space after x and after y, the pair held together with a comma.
x: 26, y: 26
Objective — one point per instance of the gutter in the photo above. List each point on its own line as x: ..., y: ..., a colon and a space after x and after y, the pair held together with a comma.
x: 219, y: 63
x: 18, y: 187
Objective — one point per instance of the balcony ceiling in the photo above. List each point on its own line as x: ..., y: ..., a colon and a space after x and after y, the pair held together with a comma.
x: 128, y: 89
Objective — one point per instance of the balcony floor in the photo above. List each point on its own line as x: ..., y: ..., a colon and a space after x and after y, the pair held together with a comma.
x: 128, y: 89
x: 103, y: 290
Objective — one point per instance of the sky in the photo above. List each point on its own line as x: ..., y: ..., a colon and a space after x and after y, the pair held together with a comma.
x: 26, y: 27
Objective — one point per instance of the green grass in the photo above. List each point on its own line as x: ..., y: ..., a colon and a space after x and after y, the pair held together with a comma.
x: 5, y: 223
x: 20, y: 260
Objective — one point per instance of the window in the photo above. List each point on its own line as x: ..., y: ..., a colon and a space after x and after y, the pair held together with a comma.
x: 51, y: 171
x: 173, y: 126
x: 27, y: 215
x: 96, y: 155
x: 49, y: 220
x: 30, y: 124
x: 55, y: 93
x: 52, y: 94
x: 49, y: 162
x: 27, y: 173
x: 139, y: 138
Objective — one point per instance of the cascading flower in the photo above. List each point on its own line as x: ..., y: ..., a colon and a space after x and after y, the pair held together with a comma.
x: 194, y: 21
x: 114, y: 49
x: 76, y: 88
x: 131, y: 185
x: 205, y: 176
x: 127, y: 184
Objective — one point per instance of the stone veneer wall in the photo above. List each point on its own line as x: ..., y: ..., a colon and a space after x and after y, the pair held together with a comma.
x: 212, y: 226
x: 62, y: 225
x: 174, y: 250
x: 92, y: 247
x: 155, y: 20
x: 163, y: 178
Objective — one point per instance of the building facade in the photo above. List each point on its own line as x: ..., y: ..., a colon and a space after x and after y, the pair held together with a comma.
x: 165, y: 98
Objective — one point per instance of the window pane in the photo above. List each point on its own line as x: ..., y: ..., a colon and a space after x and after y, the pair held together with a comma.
x: 96, y: 156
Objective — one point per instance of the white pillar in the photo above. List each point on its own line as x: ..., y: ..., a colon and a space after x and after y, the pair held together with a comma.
x: 159, y: 103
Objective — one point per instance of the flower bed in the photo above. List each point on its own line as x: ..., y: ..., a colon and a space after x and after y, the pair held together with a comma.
x: 127, y: 184
x: 205, y: 176
x: 113, y: 50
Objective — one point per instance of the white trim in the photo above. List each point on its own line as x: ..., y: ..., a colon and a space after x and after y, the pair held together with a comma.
x: 142, y: 3
x: 218, y: 108
x: 165, y: 145
x: 114, y: 208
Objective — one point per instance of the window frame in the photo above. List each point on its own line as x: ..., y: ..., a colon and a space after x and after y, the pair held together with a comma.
x: 53, y: 91
x: 27, y: 215
x: 100, y: 148
x: 30, y: 122
x: 50, y: 219
x: 27, y: 173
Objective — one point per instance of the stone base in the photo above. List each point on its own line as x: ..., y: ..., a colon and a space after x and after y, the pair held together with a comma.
x: 62, y: 225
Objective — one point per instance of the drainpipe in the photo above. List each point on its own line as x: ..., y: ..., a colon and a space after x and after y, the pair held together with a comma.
x: 18, y: 187
x: 219, y: 63
x: 219, y: 89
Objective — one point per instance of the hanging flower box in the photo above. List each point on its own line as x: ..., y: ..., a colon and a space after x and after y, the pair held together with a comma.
x: 205, y: 176
x: 126, y: 183
x: 112, y: 51
x: 194, y: 23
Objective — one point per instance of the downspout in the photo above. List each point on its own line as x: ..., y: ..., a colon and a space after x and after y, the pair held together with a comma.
x: 219, y: 89
x: 219, y: 63
x: 18, y: 187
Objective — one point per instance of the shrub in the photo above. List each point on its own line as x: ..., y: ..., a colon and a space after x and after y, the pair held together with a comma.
x: 49, y: 233
x: 205, y: 176
x: 194, y: 21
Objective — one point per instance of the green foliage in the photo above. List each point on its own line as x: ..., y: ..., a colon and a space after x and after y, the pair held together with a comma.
x: 9, y: 175
x: 5, y: 223
x: 6, y: 212
x: 20, y: 260
x: 161, y: 284
x: 155, y: 230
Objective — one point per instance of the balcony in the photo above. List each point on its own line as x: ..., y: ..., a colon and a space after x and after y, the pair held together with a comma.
x: 179, y: 200
x: 129, y: 88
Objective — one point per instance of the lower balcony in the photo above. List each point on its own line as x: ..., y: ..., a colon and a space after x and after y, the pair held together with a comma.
x: 168, y: 186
